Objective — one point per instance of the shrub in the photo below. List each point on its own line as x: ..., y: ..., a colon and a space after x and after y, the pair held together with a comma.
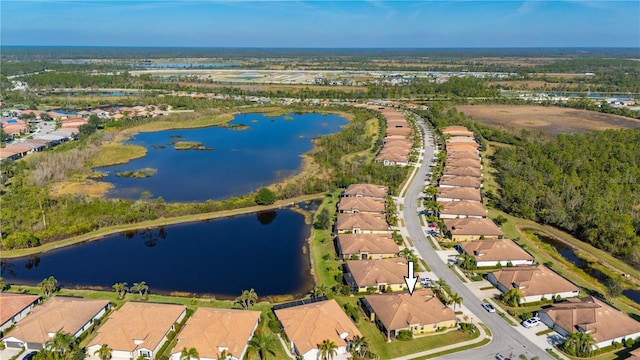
x: 265, y: 197
x: 404, y: 335
x: 628, y: 343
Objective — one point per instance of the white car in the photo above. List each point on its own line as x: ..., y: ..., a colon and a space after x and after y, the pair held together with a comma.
x: 531, y: 322
x: 488, y: 307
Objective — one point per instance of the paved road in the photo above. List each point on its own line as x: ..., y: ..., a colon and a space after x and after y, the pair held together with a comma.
x: 506, y: 339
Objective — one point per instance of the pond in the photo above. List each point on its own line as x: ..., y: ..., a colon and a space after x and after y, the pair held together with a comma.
x: 266, y: 251
x: 569, y: 254
x: 254, y: 151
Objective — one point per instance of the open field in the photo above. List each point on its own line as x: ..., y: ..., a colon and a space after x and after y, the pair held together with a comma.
x: 553, y: 120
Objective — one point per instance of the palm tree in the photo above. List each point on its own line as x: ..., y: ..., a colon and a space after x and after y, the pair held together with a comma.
x: 512, y: 297
x: 141, y: 288
x: 224, y: 355
x: 431, y: 191
x: 408, y: 254
x: 121, y: 289
x: 188, y: 354
x: 320, y: 290
x: 579, y: 344
x: 247, y: 298
x: 328, y: 349
x: 263, y: 345
x: 455, y: 300
x: 360, y: 348
x: 48, y: 286
x: 467, y: 261
x: 60, y: 343
x: 104, y: 352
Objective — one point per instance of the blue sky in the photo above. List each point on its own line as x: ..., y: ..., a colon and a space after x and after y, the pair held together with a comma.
x: 344, y: 24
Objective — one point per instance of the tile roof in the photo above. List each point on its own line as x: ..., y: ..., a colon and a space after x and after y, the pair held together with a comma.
x: 362, y: 221
x: 534, y: 280
x: 462, y: 171
x: 368, y: 190
x: 367, y: 243
x: 461, y: 181
x: 495, y: 250
x: 459, y: 139
x: 65, y: 314
x: 363, y: 204
x: 601, y: 320
x: 210, y: 330
x: 455, y: 155
x: 13, y: 304
x: 461, y: 193
x: 148, y: 322
x: 472, y: 226
x: 464, y: 162
x: 457, y: 131
x: 309, y: 325
x: 373, y: 272
x: 465, y: 208
x: 401, y: 310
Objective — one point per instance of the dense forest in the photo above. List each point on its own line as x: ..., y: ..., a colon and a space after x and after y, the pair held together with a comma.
x: 587, y: 184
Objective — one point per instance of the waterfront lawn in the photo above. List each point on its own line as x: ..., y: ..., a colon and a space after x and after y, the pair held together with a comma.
x: 326, y: 267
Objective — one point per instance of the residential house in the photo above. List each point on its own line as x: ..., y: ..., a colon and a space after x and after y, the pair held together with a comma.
x: 459, y: 155
x: 366, y: 246
x: 462, y: 171
x: 355, y: 205
x: 464, y: 162
x: 420, y: 313
x: 455, y: 130
x: 58, y: 314
x: 535, y: 282
x: 459, y: 139
x: 471, y: 228
x: 590, y: 315
x: 462, y: 209
x: 137, y: 329
x: 361, y: 224
x: 491, y: 252
x: 447, y: 181
x: 377, y: 275
x: 211, y: 331
x: 306, y: 326
x: 366, y: 190
x: 14, y: 307
x: 446, y: 194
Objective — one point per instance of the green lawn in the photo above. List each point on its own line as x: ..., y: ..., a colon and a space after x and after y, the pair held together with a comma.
x: 323, y: 255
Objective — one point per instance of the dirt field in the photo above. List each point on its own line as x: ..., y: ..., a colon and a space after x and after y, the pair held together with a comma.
x: 553, y: 120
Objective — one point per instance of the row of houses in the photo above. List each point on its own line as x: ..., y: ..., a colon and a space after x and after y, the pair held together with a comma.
x: 113, y: 113
x: 459, y: 189
x: 365, y: 243
x: 135, y: 329
x: 462, y: 211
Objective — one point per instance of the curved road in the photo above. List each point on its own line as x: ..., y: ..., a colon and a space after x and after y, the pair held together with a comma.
x: 506, y: 339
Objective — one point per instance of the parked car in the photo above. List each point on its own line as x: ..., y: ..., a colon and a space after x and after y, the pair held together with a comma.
x: 426, y: 282
x: 531, y: 322
x: 500, y: 357
x: 489, y: 307
x: 30, y: 355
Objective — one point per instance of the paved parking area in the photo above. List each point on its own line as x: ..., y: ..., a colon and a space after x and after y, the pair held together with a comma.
x: 8, y: 353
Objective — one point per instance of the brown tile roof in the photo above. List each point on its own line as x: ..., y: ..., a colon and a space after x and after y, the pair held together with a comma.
x: 211, y: 330
x: 309, y: 325
x: 455, y: 155
x: 403, y: 144
x: 461, y: 193
x: 59, y: 313
x: 462, y: 162
x: 367, y: 190
x: 373, y: 272
x: 399, y: 311
x: 472, y: 226
x: 462, y: 181
x: 457, y: 131
x: 362, y: 221
x: 398, y: 131
x: 466, y: 208
x: 13, y: 304
x: 601, y: 320
x: 367, y: 243
x: 634, y: 355
x: 495, y: 250
x: 459, y: 139
x: 361, y: 204
x: 148, y: 322
x: 534, y: 280
x: 397, y: 123
x: 462, y: 171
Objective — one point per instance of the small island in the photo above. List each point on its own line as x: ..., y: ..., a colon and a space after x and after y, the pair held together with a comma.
x: 141, y: 173
x: 190, y: 145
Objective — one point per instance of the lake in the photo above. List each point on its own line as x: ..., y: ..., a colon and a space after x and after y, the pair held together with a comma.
x: 569, y: 254
x: 261, y: 151
x: 266, y: 251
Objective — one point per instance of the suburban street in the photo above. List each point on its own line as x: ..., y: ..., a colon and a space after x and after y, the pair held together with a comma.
x: 506, y: 339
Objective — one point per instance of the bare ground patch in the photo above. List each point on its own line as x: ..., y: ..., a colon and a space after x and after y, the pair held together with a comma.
x: 91, y: 188
x: 553, y: 120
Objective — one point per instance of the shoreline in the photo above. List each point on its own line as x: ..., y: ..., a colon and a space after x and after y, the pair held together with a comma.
x: 101, y: 233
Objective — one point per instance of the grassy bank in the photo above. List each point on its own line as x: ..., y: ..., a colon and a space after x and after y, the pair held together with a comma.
x: 98, y: 234
x: 323, y: 255
x: 114, y: 153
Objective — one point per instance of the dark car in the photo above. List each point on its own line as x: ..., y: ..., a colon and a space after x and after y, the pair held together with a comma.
x: 30, y: 355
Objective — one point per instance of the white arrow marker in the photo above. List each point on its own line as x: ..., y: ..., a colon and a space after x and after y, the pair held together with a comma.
x: 411, y: 280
